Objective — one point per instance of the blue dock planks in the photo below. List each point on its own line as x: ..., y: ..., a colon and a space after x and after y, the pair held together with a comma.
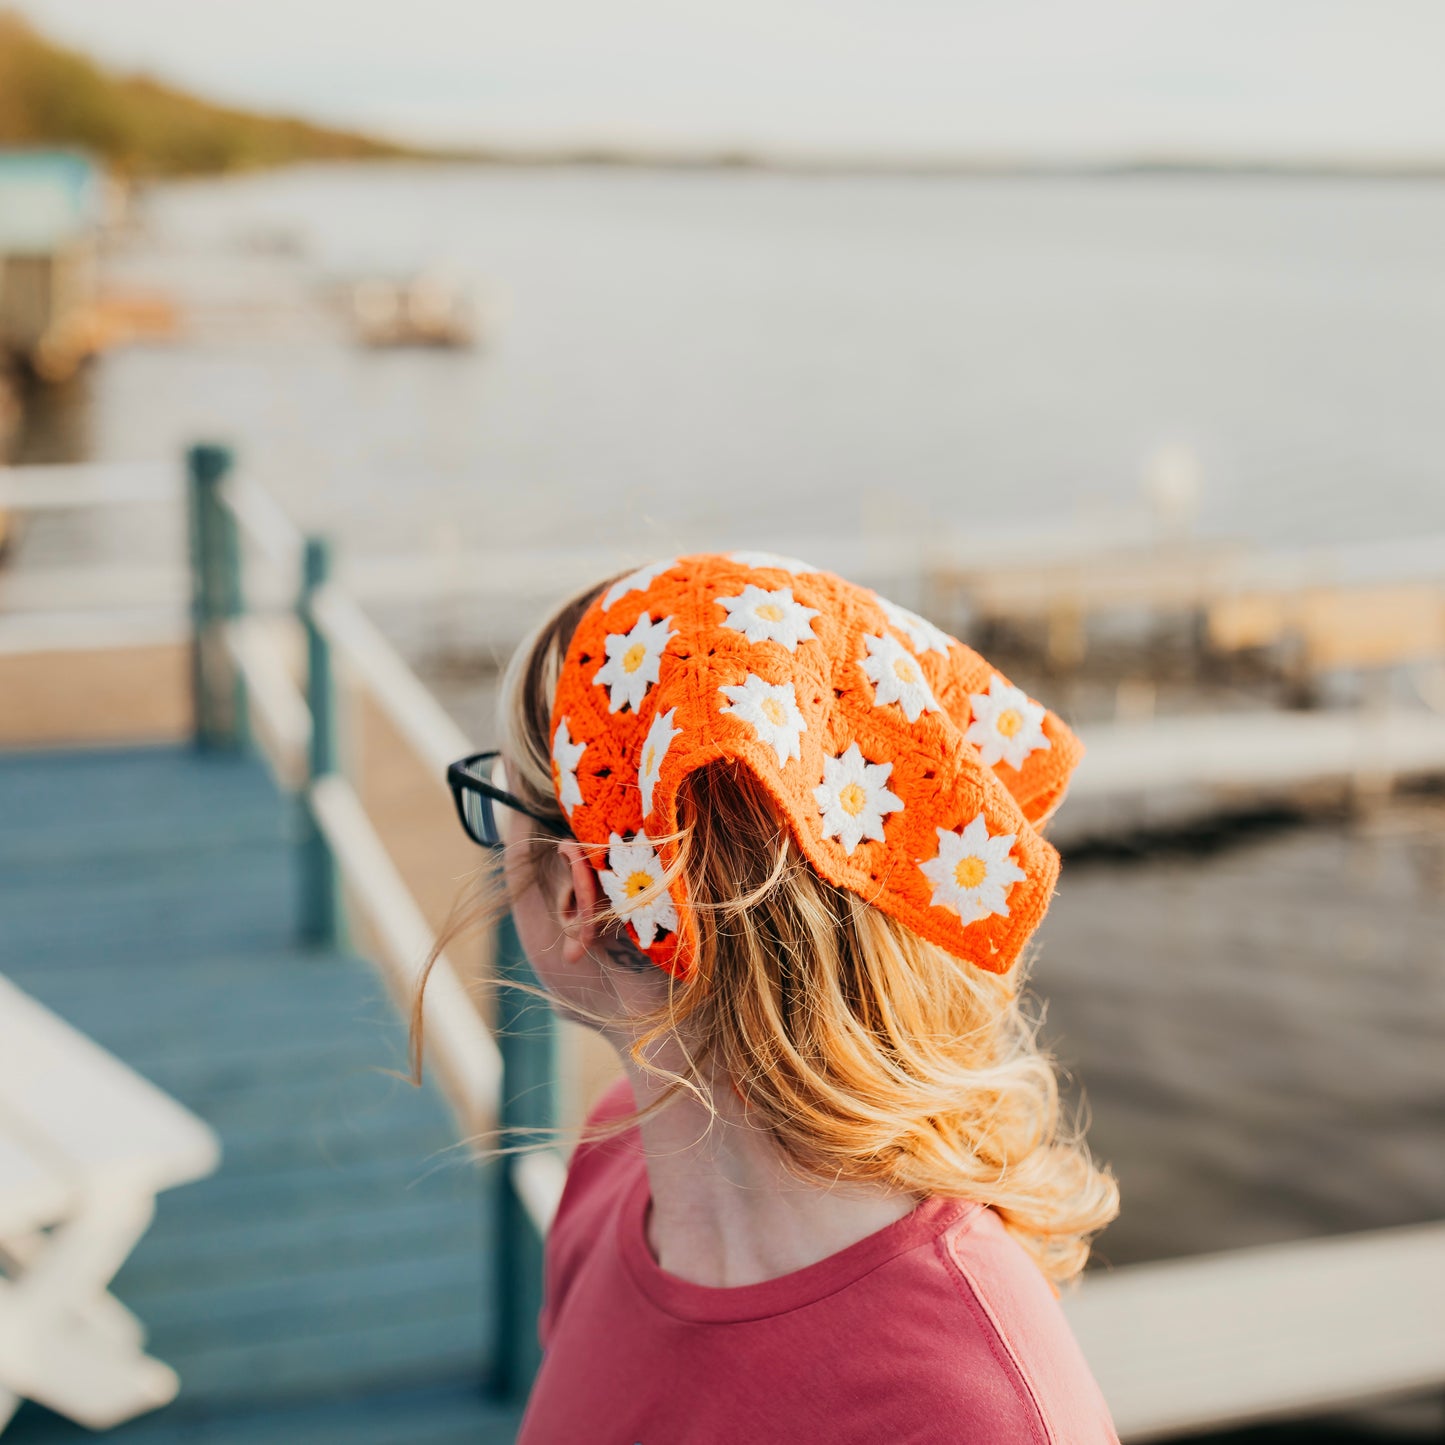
x: 329, y: 1283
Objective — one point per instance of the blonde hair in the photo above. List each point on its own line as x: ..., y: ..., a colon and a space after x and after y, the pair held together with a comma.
x: 869, y: 1053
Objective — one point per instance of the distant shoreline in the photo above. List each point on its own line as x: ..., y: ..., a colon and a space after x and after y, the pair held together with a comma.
x: 144, y: 128
x: 962, y: 166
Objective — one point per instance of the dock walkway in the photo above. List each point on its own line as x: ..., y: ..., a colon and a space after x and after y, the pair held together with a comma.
x: 330, y: 1282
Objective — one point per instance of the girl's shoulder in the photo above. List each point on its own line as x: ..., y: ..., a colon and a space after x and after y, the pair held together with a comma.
x: 1013, y: 1306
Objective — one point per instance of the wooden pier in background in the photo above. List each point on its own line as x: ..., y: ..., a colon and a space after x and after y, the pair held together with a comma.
x: 1172, y: 770
x: 1358, y: 605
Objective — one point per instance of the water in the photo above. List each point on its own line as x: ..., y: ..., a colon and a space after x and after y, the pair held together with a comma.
x: 1258, y: 1029
x: 729, y: 357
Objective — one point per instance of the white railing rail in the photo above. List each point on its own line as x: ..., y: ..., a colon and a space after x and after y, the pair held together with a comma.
x: 262, y: 520
x: 413, y: 710
x: 66, y: 487
x: 1221, y: 1341
x: 466, y: 1056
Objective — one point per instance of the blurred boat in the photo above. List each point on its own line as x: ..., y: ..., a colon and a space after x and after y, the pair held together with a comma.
x: 428, y: 309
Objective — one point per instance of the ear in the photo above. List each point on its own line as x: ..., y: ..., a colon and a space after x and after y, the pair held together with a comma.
x: 578, y: 893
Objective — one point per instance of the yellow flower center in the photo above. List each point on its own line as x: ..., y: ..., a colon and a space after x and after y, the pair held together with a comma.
x: 770, y: 612
x: 853, y: 799
x: 647, y: 758
x: 905, y: 670
x: 773, y: 711
x: 633, y: 657
x: 637, y: 882
x: 1010, y: 721
x: 556, y: 776
x: 970, y: 872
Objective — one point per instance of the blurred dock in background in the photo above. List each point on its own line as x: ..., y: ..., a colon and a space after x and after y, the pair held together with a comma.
x: 1208, y: 676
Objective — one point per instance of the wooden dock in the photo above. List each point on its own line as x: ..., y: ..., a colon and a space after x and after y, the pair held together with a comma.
x: 332, y: 1281
x: 1259, y: 751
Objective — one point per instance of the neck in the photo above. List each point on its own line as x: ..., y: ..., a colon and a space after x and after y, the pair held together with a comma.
x: 726, y: 1211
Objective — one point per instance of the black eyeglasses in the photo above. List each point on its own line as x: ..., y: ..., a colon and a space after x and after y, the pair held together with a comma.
x: 470, y: 780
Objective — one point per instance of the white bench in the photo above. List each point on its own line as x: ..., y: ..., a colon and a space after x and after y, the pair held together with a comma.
x: 85, y: 1146
x: 1265, y: 1333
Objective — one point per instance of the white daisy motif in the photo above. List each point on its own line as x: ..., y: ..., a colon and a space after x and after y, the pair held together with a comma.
x: 635, y: 867
x: 634, y: 660
x: 924, y: 636
x: 772, y: 559
x: 897, y: 677
x: 637, y: 581
x: 1007, y: 724
x: 972, y: 873
x: 654, y: 749
x: 853, y: 797
x: 566, y: 754
x: 772, y: 709
x: 764, y: 616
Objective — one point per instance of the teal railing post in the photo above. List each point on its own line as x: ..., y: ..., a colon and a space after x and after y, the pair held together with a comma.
x: 321, y: 921
x: 526, y: 1037
x: 217, y: 687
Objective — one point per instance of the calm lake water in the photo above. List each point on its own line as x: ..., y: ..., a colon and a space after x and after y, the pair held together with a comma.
x: 724, y: 359
x: 689, y: 358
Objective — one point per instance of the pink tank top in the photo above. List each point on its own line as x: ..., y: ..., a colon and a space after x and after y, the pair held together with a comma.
x: 937, y: 1328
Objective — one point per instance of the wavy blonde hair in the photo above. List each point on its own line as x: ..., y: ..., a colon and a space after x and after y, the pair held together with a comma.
x: 869, y: 1053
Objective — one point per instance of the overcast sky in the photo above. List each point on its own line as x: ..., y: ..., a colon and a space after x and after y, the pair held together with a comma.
x: 1357, y: 79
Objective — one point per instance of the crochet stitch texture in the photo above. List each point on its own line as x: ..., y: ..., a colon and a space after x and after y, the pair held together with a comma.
x: 909, y: 769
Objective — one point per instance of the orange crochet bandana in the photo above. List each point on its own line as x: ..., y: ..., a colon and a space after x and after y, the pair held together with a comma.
x: 910, y: 771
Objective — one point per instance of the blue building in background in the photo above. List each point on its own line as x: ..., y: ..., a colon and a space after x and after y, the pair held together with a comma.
x: 52, y: 204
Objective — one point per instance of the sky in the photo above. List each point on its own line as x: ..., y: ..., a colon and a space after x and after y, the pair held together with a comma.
x: 1355, y: 80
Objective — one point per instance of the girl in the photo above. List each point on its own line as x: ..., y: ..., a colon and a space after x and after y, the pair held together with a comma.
x: 778, y: 840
